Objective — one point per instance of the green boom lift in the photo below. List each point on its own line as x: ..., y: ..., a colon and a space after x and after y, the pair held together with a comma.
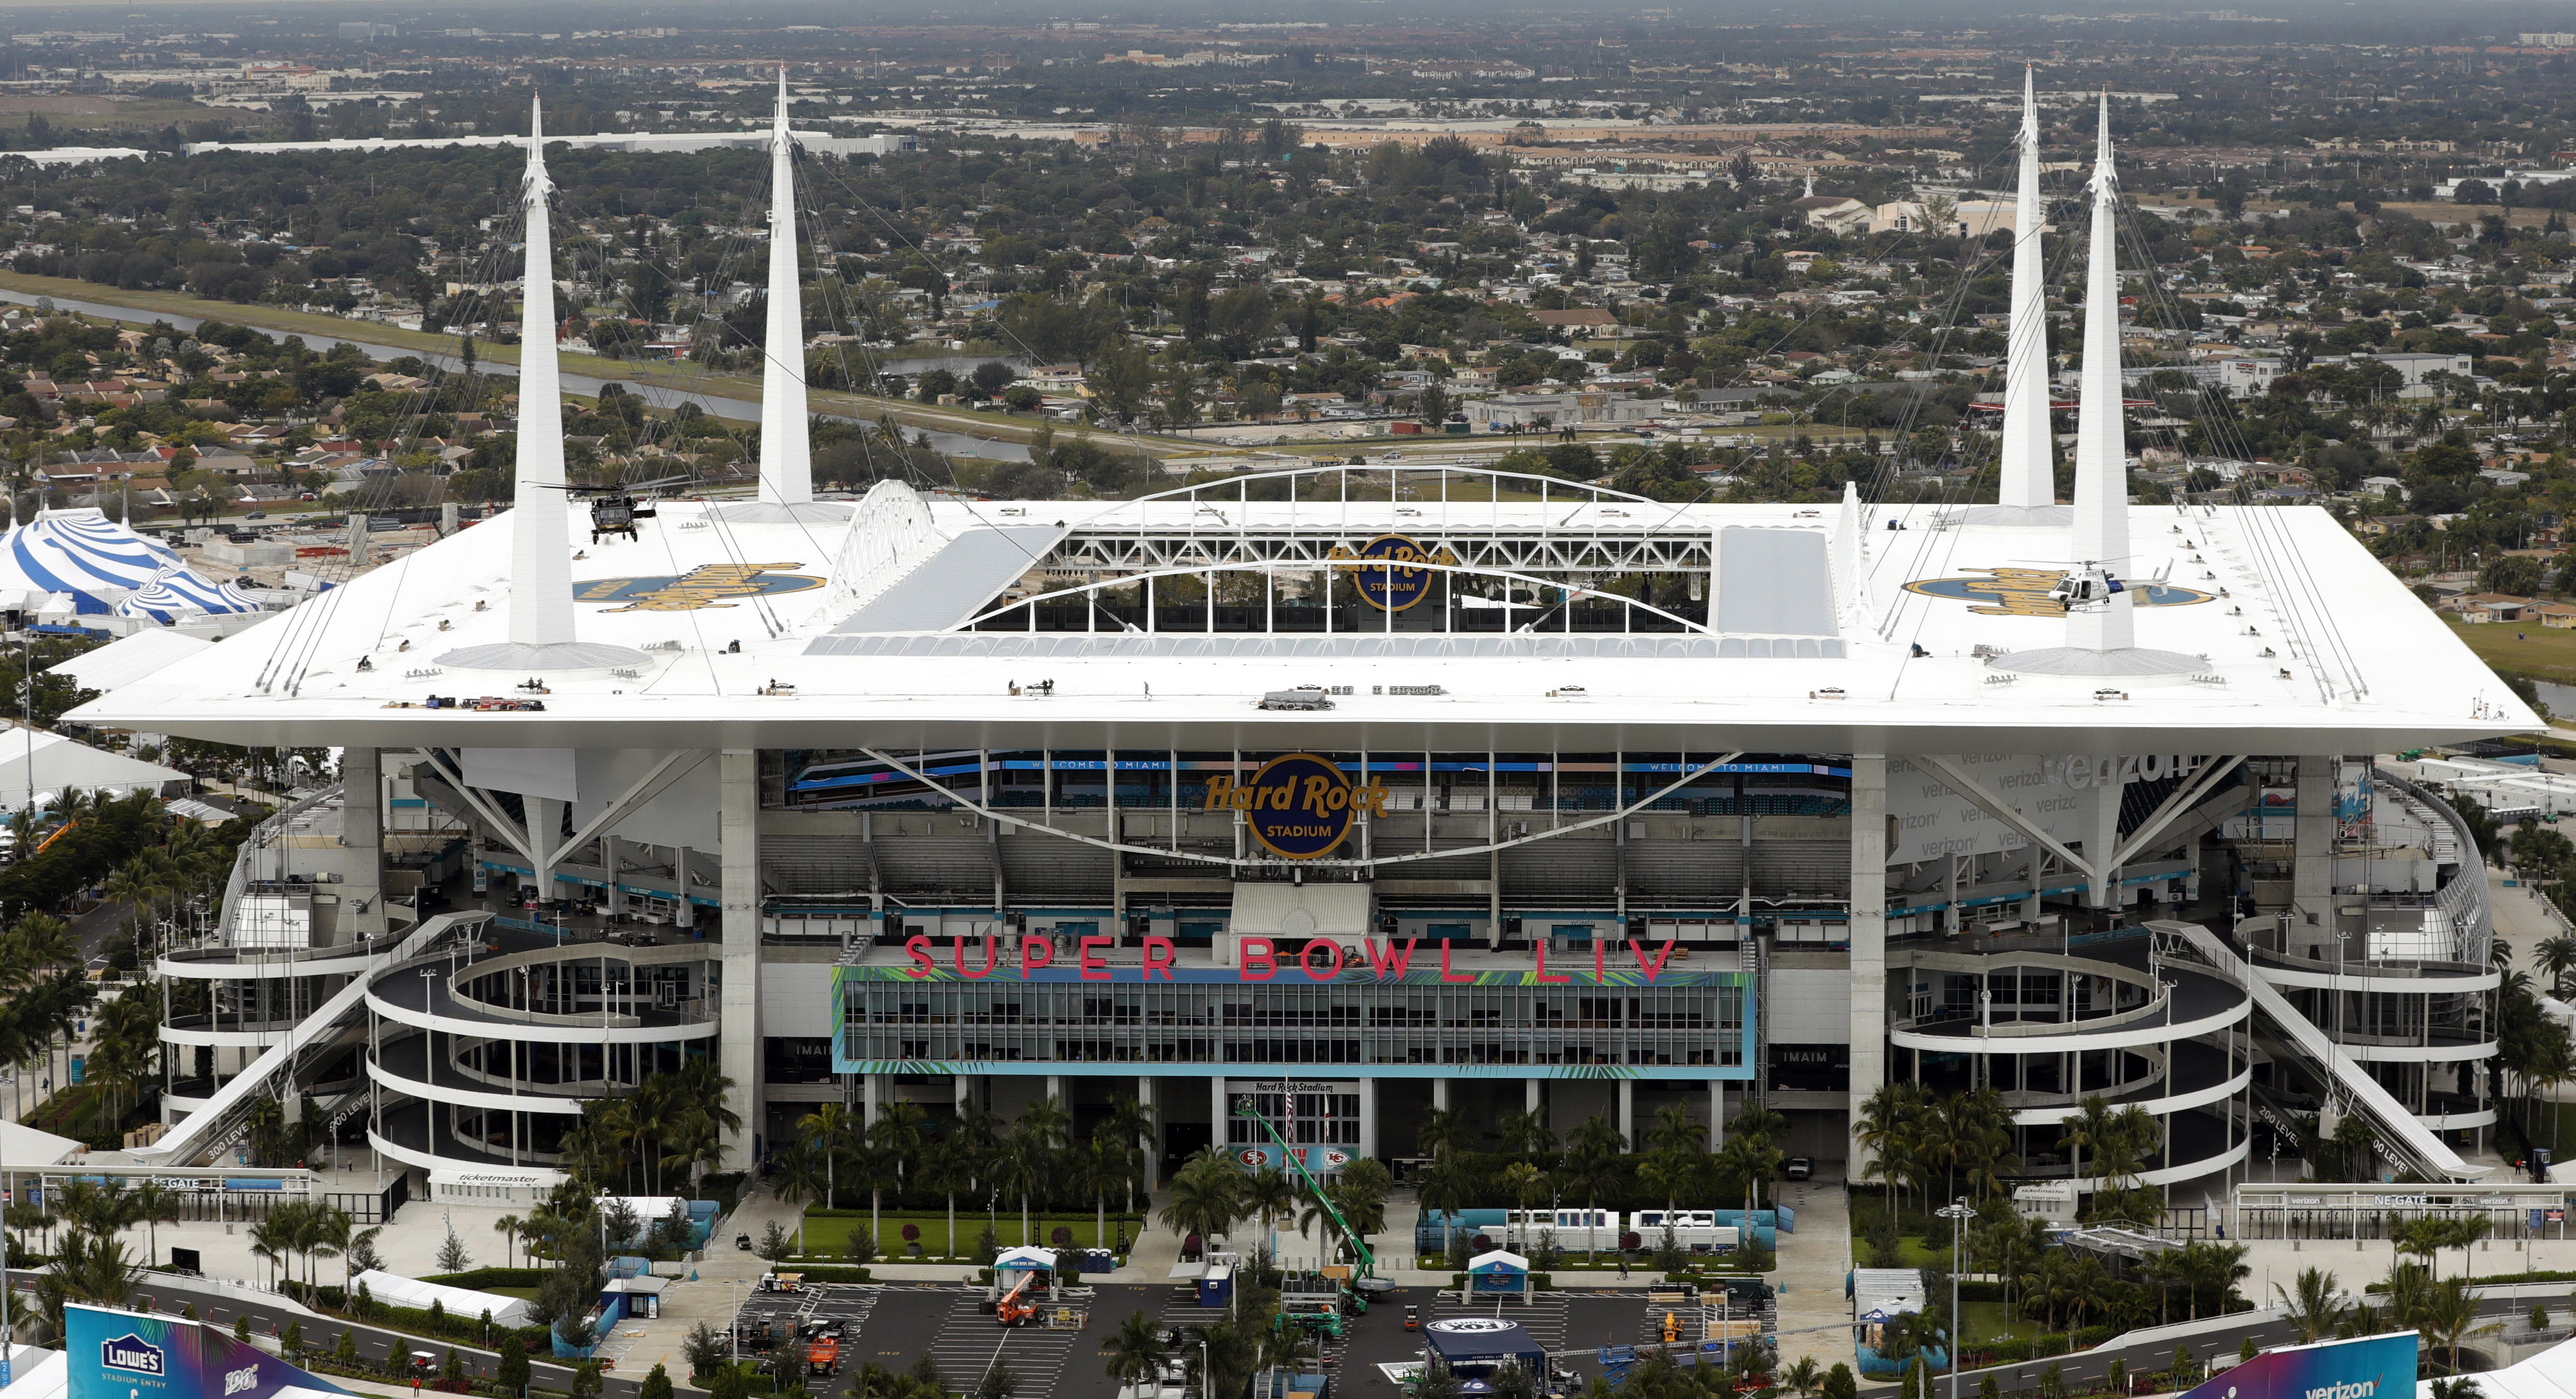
x: 1368, y: 1261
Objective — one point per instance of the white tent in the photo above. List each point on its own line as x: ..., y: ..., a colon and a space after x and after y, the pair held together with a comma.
x: 122, y: 662
x: 37, y: 1373
x: 23, y: 1146
x: 2548, y: 1375
x: 45, y: 765
x: 459, y: 1301
x: 100, y: 563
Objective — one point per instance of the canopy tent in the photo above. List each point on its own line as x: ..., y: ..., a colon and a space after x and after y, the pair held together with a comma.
x: 459, y: 1301
x: 39, y: 766
x: 122, y: 662
x: 99, y: 563
x: 1472, y: 1346
x: 1499, y: 1273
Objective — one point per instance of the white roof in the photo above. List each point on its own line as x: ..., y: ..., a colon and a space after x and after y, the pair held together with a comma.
x: 2369, y: 668
x: 1504, y: 1257
x: 22, y: 1145
x: 1892, y: 1290
x: 37, y: 1373
x: 2548, y: 1375
x: 1025, y: 1258
x: 48, y: 764
x: 122, y: 662
x: 458, y: 1301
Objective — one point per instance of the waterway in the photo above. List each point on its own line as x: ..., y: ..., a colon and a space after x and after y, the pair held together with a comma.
x: 661, y: 393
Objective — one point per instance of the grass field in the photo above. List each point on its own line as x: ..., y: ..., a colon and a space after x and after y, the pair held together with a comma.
x: 2529, y: 650
x: 828, y: 1236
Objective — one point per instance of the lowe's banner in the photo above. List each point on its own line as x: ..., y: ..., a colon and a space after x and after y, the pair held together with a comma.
x: 132, y: 1355
x: 128, y: 1355
x: 2372, y: 1367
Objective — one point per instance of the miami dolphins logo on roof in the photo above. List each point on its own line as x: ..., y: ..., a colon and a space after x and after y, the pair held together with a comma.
x: 708, y: 585
x: 2023, y: 592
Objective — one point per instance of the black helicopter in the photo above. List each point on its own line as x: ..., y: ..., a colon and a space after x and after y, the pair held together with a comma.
x: 617, y: 509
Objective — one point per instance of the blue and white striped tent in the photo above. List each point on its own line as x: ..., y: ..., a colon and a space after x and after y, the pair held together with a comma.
x: 101, y: 564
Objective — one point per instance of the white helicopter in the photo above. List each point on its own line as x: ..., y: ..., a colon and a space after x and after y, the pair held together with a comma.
x: 2090, y: 586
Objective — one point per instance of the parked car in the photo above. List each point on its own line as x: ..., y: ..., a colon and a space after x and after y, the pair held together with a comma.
x: 1801, y: 1168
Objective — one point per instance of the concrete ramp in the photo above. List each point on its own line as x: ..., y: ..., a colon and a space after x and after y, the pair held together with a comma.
x: 2397, y: 1127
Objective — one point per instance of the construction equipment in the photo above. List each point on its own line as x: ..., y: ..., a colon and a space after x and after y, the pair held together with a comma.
x: 823, y: 1356
x: 1367, y: 1281
x: 782, y: 1282
x: 1018, y: 1307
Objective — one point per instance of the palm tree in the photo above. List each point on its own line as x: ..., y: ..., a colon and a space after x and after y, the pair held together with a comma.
x: 1136, y: 1352
x: 1099, y: 1165
x: 798, y: 1177
x: 1132, y: 1122
x: 888, y: 1150
x: 1444, y: 1190
x: 1591, y: 1166
x: 1270, y: 1194
x: 946, y: 1167
x: 1442, y: 1127
x: 1802, y: 1377
x: 1881, y: 1127
x: 1027, y: 1164
x: 1525, y: 1181
x: 824, y: 1129
x: 154, y: 1205
x: 1205, y: 1200
x: 1526, y: 1133
x: 508, y: 1226
x: 2314, y: 1305
x: 2448, y: 1312
x: 1752, y: 1160
x: 2556, y: 958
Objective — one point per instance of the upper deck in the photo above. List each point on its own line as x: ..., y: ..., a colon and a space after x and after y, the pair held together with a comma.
x: 1574, y: 618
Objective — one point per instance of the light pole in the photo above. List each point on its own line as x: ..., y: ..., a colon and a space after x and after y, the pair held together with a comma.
x: 1957, y: 1213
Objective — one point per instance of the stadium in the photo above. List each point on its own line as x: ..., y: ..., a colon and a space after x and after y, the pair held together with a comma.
x: 1361, y: 789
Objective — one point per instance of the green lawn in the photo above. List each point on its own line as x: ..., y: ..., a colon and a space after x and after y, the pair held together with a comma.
x: 828, y: 1236
x: 2541, y: 653
x: 1992, y: 1321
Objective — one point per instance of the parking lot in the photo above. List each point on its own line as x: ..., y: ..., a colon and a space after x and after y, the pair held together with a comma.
x: 894, y: 1324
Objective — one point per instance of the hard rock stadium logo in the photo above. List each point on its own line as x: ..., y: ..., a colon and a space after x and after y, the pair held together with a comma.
x: 709, y: 585
x: 1298, y: 806
x: 1376, y: 570
x: 2023, y: 592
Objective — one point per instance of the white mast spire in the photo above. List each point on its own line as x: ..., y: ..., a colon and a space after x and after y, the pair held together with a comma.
x: 2029, y: 481
x: 786, y: 458
x: 786, y: 452
x: 540, y: 545
x: 2101, y: 630
x: 2101, y: 538
x: 541, y: 616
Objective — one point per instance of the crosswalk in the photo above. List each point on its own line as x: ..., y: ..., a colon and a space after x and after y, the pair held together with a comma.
x: 970, y: 1342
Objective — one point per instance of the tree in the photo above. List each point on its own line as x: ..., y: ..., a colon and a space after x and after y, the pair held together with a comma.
x: 1205, y: 1200
x: 997, y: 1381
x: 704, y: 1348
x: 2517, y: 574
x: 1591, y: 1166
x: 1121, y: 379
x: 1135, y: 1353
x: 656, y: 1385
x: 452, y: 1257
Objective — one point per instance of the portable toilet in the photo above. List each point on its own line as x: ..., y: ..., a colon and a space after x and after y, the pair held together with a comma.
x: 1216, y: 1285
x: 1499, y: 1274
